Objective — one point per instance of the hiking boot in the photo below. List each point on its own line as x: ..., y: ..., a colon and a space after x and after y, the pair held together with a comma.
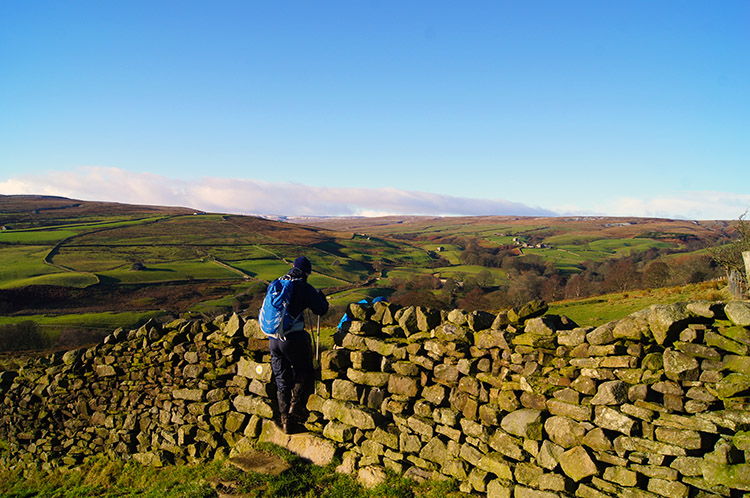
x: 284, y: 423
x: 293, y: 426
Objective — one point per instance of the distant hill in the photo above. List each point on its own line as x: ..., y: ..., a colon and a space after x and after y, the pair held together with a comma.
x: 536, y: 228
x: 24, y: 211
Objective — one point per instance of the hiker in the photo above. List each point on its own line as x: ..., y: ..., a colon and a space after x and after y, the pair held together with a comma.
x: 346, y: 318
x: 291, y: 350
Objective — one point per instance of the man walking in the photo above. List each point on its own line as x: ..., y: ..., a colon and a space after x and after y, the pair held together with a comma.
x: 292, y: 353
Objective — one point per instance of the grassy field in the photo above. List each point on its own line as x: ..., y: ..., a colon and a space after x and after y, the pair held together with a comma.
x: 104, y: 478
x: 65, y: 279
x: 22, y: 262
x: 599, y: 310
x: 175, y: 270
x: 105, y: 321
x: 36, y: 237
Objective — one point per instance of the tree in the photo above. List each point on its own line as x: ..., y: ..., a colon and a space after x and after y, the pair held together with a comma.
x: 553, y: 289
x: 525, y: 288
x: 622, y: 276
x: 485, y: 279
x: 729, y: 256
x: 577, y: 287
x: 694, y: 268
x: 656, y: 274
x: 22, y: 336
x: 474, y: 300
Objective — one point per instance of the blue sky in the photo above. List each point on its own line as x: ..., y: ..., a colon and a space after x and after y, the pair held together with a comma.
x: 634, y: 108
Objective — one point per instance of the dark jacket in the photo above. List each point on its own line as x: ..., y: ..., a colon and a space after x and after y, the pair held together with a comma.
x: 305, y: 296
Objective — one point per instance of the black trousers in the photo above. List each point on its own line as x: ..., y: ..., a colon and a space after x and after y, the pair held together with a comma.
x: 292, y: 365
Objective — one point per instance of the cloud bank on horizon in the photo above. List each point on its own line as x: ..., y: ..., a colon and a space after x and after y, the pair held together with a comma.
x: 248, y: 196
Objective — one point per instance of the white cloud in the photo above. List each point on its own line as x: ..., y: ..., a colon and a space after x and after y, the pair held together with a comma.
x: 232, y: 195
x: 691, y: 205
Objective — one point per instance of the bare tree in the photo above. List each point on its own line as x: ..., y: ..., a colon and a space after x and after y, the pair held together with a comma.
x: 729, y: 256
x: 656, y: 274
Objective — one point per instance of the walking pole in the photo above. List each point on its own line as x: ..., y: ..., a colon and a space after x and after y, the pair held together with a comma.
x: 317, y: 343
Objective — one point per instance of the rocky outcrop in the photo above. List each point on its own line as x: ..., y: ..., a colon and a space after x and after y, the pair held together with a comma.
x: 521, y: 403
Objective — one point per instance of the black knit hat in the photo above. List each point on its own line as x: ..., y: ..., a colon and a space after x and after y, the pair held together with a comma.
x: 303, y: 264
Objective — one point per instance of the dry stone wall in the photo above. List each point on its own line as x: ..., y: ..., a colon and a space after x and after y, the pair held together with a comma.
x: 521, y: 404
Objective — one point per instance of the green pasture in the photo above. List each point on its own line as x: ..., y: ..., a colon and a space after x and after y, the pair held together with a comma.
x: 344, y: 298
x: 473, y: 270
x: 500, y: 240
x: 270, y: 269
x: 21, y: 262
x: 234, y: 291
x: 66, y: 279
x: 404, y: 274
x: 343, y: 269
x: 236, y: 252
x: 416, y: 257
x: 563, y: 259
x: 103, y: 321
x: 623, y: 247
x: 96, y: 224
x: 176, y: 270
x: 679, y: 255
x: 571, y: 239
x: 450, y: 252
x: 321, y: 281
x: 209, y: 306
x: 49, y: 236
x: 200, y: 230
x: 105, y: 258
x: 372, y: 250
x: 263, y: 269
x: 56, y: 233
x: 510, y: 230
x: 570, y: 257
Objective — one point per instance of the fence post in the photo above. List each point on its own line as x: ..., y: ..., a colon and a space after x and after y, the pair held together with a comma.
x: 746, y: 257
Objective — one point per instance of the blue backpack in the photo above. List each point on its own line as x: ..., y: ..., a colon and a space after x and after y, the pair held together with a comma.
x: 274, y: 319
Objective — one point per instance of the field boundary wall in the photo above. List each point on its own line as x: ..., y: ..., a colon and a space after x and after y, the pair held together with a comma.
x: 520, y: 403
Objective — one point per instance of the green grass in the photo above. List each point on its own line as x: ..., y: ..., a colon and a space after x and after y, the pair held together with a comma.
x: 48, y: 236
x: 107, y: 320
x: 459, y: 271
x: 67, y: 279
x: 500, y: 240
x: 569, y: 257
x: 351, y: 296
x: 101, y: 477
x: 104, y: 478
x: 103, y: 258
x: 599, y: 310
x: 623, y: 247
x: 263, y: 269
x: 270, y: 269
x: 239, y: 252
x: 404, y: 274
x: 322, y: 281
x: 177, y: 270
x: 23, y: 262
